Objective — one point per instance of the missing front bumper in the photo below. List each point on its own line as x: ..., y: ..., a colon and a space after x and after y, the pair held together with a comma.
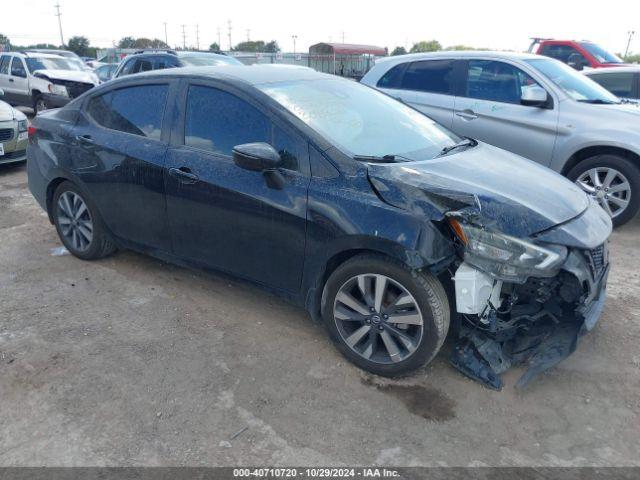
x: 539, y: 334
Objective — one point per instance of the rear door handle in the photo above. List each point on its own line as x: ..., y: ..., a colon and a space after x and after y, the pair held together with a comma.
x: 184, y: 175
x: 85, y: 139
x: 467, y: 114
x: 11, y: 80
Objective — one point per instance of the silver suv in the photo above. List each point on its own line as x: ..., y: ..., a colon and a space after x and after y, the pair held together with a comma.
x: 531, y: 105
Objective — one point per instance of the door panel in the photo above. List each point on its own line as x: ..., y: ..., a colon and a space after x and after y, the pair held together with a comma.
x: 123, y: 170
x: 227, y: 217
x: 436, y: 106
x: 231, y: 220
x: 495, y: 115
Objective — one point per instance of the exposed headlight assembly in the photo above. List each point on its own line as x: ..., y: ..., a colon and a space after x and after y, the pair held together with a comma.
x: 505, y: 257
x: 58, y: 90
x: 23, y: 125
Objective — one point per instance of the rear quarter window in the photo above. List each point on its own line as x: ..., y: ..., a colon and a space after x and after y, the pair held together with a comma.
x: 137, y: 110
x: 392, y: 78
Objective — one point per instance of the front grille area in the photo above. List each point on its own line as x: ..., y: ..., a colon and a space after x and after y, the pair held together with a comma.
x: 12, y: 155
x: 597, y: 259
x: 6, y: 134
x: 75, y: 89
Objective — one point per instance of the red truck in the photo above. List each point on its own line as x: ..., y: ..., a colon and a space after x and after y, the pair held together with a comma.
x: 576, y: 54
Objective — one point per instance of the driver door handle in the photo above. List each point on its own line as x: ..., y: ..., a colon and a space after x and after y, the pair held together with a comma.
x: 467, y: 114
x: 184, y: 175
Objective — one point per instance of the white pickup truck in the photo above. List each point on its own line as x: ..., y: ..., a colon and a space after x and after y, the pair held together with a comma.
x: 41, y: 80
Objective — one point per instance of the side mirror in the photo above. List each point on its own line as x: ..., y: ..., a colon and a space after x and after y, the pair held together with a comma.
x: 534, y: 96
x: 256, y: 156
x: 576, y: 61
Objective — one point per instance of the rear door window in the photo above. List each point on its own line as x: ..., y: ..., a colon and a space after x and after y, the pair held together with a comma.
x: 620, y: 84
x: 496, y: 81
x: 433, y: 76
x: 137, y: 110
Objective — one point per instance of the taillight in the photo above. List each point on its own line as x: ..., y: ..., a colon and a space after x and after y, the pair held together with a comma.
x: 31, y: 132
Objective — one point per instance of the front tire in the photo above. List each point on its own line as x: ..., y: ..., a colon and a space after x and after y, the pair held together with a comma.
x: 384, y: 317
x: 40, y: 104
x: 613, y: 181
x: 79, y: 225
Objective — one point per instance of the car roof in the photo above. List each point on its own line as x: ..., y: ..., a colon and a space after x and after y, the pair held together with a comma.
x: 33, y: 54
x: 596, y: 71
x: 445, y: 54
x: 252, y: 75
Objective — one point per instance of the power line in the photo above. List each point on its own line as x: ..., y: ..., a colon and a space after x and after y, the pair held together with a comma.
x: 58, y: 14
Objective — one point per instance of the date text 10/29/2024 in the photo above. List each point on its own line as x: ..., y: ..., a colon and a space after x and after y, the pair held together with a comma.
x: 317, y: 472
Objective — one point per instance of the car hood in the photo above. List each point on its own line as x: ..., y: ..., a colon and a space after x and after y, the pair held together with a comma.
x: 6, y: 112
x: 72, y: 75
x: 497, y: 188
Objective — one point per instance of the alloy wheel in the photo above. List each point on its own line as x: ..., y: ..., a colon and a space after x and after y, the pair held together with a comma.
x: 378, y: 318
x: 609, y: 187
x: 75, y: 221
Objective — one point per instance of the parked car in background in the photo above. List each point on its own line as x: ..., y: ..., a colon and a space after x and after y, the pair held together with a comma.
x: 147, y: 60
x: 70, y: 56
x: 106, y: 72
x: 531, y: 105
x: 42, y: 80
x: 13, y: 133
x: 623, y: 82
x: 578, y: 55
x: 265, y: 172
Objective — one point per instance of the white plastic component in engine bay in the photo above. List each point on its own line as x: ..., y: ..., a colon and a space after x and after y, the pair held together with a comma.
x: 474, y: 288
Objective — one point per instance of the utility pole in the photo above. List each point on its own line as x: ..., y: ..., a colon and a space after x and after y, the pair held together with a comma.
x: 343, y: 37
x: 184, y: 38
x: 197, y: 36
x: 166, y: 38
x: 294, y: 38
x: 248, y: 34
x: 219, y: 40
x: 229, y: 26
x: 58, y: 14
x: 631, y: 34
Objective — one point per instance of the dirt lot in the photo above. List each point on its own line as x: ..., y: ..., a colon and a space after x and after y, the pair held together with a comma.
x: 130, y: 361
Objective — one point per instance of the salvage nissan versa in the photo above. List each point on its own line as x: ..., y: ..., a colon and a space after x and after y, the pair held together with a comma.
x: 345, y: 201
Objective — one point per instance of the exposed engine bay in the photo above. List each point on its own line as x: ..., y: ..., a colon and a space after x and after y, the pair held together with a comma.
x: 535, y: 323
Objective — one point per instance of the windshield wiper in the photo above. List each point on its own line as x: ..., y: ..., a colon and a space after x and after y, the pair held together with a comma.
x: 381, y: 159
x: 598, y: 101
x: 467, y: 142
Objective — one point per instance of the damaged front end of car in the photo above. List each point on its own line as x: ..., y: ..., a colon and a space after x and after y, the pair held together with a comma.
x: 521, y: 302
x: 532, y: 255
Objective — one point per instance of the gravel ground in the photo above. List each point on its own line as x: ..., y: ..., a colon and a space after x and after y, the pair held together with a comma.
x: 130, y: 361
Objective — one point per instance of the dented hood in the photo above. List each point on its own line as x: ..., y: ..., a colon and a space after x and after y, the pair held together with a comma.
x: 500, y: 189
x: 72, y: 75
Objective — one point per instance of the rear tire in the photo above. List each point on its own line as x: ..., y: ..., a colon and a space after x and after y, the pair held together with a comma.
x: 40, y: 104
x: 421, y: 312
x: 79, y: 225
x: 612, y: 172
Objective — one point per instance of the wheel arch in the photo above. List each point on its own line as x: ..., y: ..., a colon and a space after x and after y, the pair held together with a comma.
x: 592, y: 151
x: 51, y: 189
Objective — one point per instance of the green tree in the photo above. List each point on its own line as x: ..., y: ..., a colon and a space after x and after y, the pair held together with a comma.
x: 4, y: 42
x: 459, y: 47
x: 214, y: 47
x: 79, y: 45
x: 272, y: 47
x: 426, y: 46
x: 127, y: 42
x: 399, y: 51
x: 632, y: 58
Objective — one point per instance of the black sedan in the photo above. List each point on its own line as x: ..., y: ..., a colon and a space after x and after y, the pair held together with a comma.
x: 339, y: 198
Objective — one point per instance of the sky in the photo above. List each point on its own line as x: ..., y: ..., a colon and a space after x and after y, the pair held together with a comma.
x: 493, y: 24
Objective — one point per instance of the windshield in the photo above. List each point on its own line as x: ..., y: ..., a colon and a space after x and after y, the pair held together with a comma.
x: 574, y: 84
x: 207, y: 60
x: 50, y: 63
x: 360, y: 120
x: 600, y: 53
